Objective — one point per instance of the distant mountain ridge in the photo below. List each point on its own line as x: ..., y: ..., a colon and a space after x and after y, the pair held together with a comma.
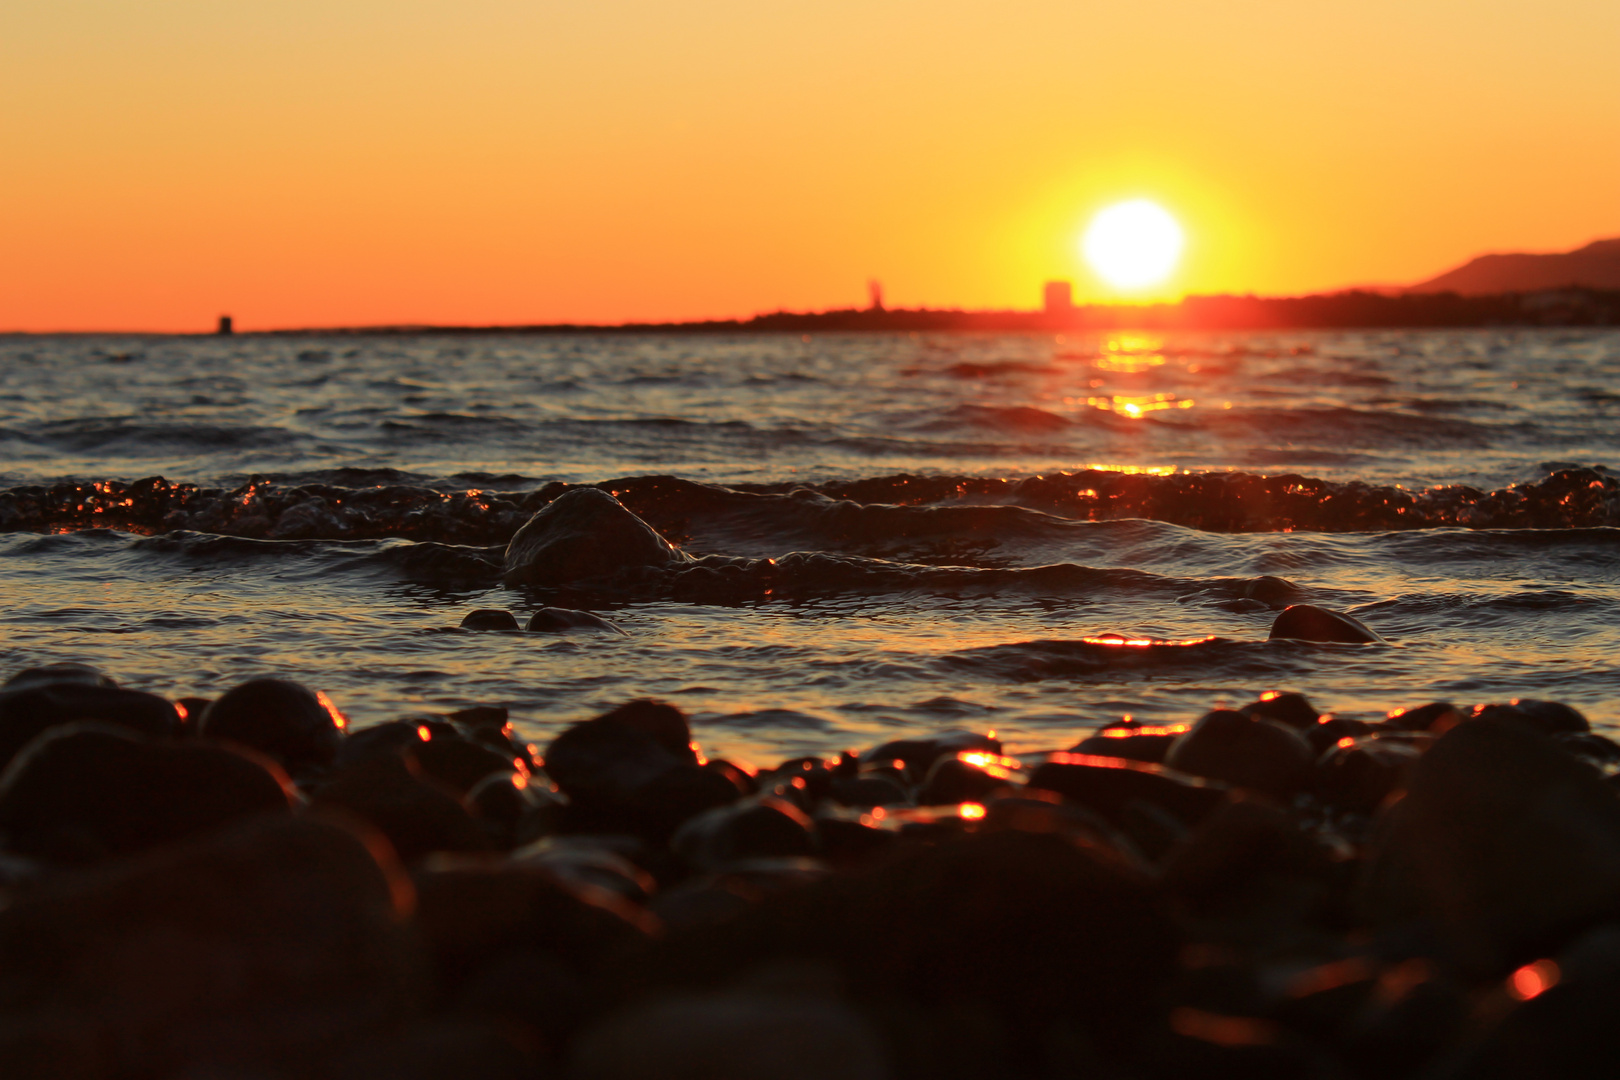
x: 1595, y: 266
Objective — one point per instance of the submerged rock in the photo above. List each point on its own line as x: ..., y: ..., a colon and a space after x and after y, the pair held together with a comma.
x: 555, y: 620
x: 585, y: 535
x: 489, y: 619
x: 1306, y: 622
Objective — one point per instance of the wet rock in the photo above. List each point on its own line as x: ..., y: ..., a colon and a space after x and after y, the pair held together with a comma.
x: 504, y: 802
x: 634, y: 770
x: 1267, y: 883
x: 1595, y: 749
x: 742, y: 1035
x: 917, y: 756
x: 1110, y: 786
x: 849, y: 838
x: 191, y: 711
x: 1289, y: 709
x: 254, y: 952
x: 30, y: 708
x: 869, y: 789
x: 585, y: 535
x: 67, y: 671
x: 1328, y: 732
x: 556, y: 620
x: 1021, y: 933
x: 417, y: 816
x: 761, y: 827
x: 1132, y: 740
x: 530, y: 993
x: 389, y: 738
x: 1547, y: 717
x: 489, y: 619
x: 471, y: 915
x: 440, y: 1050
x: 458, y: 763
x: 587, y: 860
x: 1258, y: 754
x: 1437, y: 717
x: 1359, y: 774
x: 968, y: 778
x: 806, y: 780
x: 1508, y: 843
x: 1274, y: 592
x: 1306, y: 622
x: 82, y: 793
x: 279, y: 717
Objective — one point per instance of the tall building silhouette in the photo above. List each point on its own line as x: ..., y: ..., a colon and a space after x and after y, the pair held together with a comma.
x: 1059, y: 296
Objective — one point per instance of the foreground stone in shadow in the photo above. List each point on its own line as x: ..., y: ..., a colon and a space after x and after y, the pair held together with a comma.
x: 279, y: 717
x: 585, y: 535
x: 1503, y: 839
x: 1306, y: 622
x: 757, y: 1036
x: 36, y: 700
x: 261, y: 949
x: 1033, y: 938
x: 1242, y: 750
x: 82, y: 793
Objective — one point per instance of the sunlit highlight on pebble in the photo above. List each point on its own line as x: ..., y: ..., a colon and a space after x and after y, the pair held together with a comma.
x: 1534, y: 979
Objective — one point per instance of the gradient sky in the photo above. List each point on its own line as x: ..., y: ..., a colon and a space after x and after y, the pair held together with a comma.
x: 327, y: 162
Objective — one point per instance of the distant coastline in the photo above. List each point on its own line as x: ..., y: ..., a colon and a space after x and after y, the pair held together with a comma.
x: 1344, y: 310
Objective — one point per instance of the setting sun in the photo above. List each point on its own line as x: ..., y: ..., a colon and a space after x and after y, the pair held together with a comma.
x: 1132, y: 245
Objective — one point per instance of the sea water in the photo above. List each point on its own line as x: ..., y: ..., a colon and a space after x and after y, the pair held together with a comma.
x: 983, y: 519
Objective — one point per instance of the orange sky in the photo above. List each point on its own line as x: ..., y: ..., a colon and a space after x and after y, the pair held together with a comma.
x: 325, y: 162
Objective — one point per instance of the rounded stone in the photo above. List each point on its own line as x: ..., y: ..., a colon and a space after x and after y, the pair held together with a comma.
x: 1258, y: 754
x: 489, y: 619
x: 1306, y: 622
x: 279, y: 717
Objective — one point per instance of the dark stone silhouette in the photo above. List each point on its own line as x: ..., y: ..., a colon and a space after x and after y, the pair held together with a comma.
x: 280, y: 717
x: 1306, y: 622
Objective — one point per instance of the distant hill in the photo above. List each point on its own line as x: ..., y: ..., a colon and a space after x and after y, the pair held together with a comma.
x: 1595, y: 266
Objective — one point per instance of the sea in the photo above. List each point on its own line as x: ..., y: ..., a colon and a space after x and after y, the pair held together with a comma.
x: 1028, y: 534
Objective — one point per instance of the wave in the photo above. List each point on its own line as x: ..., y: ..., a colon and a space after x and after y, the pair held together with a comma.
x: 865, y: 515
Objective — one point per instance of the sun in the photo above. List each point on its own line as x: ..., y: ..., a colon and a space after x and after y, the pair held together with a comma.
x: 1133, y: 244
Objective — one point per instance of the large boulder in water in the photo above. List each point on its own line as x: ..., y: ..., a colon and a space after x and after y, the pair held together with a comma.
x: 585, y: 535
